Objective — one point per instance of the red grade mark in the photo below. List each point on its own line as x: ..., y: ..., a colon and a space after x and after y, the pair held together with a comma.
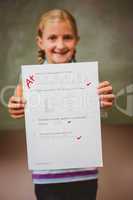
x: 29, y: 81
x: 79, y: 137
x: 88, y: 83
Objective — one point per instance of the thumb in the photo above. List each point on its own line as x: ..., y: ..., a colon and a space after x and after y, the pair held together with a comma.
x: 19, y: 90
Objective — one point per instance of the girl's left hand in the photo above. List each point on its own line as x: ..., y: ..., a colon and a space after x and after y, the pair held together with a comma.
x: 105, y: 92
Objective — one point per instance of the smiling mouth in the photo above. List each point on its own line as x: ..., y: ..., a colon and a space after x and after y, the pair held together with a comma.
x: 61, y: 53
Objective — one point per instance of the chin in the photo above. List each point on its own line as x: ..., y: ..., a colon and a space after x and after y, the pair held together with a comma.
x: 60, y: 59
x: 65, y: 60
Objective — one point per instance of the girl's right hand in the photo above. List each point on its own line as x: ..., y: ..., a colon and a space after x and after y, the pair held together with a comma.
x: 16, y: 107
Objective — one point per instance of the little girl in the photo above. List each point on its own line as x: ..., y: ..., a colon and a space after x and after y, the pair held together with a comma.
x: 57, y: 37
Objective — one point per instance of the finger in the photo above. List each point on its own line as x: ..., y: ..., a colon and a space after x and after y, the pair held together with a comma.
x: 105, y: 90
x: 15, y: 99
x: 103, y: 84
x: 16, y: 112
x: 17, y: 116
x: 16, y: 106
x: 105, y: 104
x: 108, y: 97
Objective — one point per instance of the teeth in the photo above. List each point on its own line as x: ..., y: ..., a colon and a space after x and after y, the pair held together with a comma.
x: 60, y: 52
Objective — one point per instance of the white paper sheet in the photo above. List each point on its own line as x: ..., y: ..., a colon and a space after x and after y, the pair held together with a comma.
x: 62, y: 115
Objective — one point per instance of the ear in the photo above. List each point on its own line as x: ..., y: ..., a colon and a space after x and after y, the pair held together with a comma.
x: 39, y: 42
x: 78, y: 39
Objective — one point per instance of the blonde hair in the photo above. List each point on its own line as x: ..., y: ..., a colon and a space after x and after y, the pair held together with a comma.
x: 59, y: 14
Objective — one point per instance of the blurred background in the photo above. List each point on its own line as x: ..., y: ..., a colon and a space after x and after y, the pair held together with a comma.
x: 106, y: 32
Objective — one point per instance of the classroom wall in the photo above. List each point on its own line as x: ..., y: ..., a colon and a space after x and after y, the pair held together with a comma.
x: 106, y: 33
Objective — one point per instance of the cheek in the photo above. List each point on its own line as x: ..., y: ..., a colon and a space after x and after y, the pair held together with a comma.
x: 48, y: 47
x: 72, y: 45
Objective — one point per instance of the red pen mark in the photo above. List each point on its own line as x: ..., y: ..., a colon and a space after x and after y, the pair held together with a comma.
x: 88, y: 83
x: 79, y: 137
x: 30, y: 81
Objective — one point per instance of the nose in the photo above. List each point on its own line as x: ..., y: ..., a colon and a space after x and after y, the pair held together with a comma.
x: 60, y: 44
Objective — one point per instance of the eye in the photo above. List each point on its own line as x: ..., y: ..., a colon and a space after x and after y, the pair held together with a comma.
x: 68, y: 37
x: 52, y: 37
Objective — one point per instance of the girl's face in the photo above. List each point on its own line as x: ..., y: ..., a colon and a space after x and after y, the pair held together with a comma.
x: 58, y: 41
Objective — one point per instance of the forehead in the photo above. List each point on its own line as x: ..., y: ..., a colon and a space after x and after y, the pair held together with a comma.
x: 58, y: 27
